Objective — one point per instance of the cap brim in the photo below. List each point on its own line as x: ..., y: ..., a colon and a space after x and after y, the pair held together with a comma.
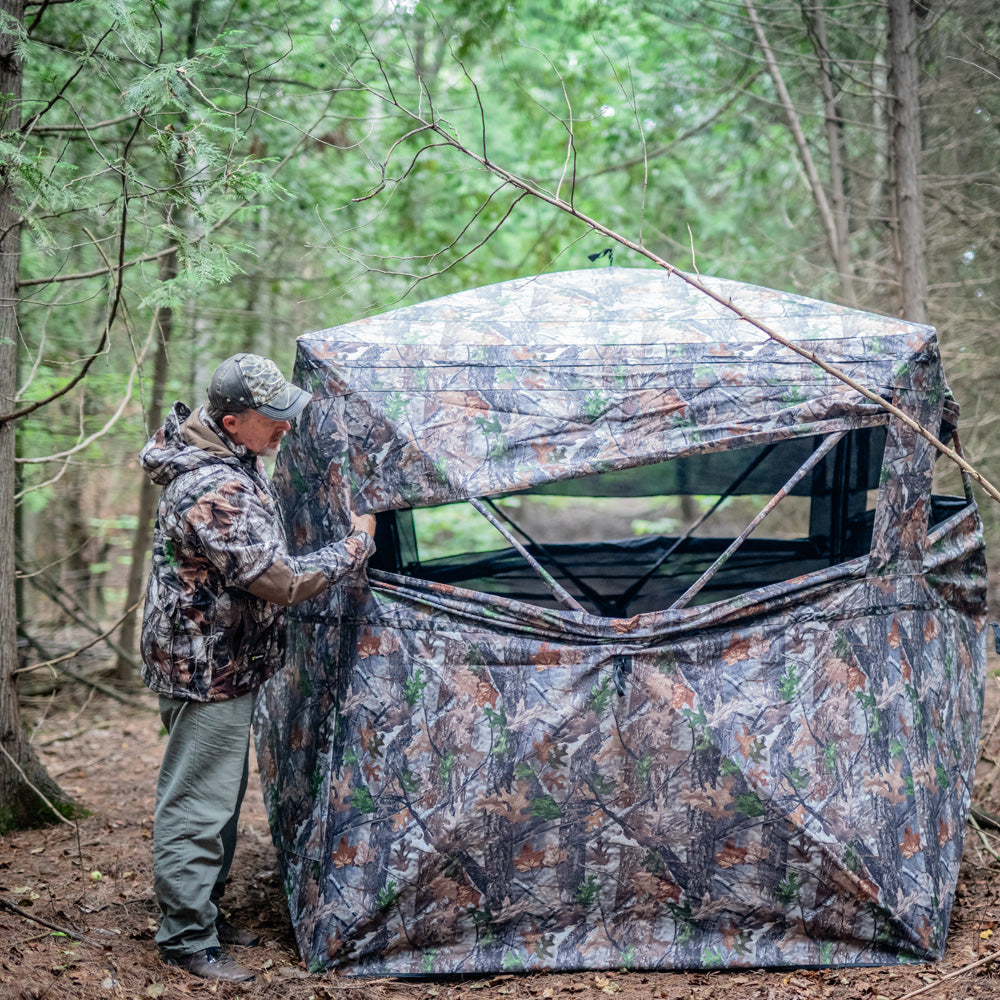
x: 289, y: 403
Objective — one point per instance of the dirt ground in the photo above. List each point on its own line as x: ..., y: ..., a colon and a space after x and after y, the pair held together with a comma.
x: 77, y: 914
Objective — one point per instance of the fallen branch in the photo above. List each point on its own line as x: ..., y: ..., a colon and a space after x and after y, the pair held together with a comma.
x: 951, y: 975
x: 75, y: 935
x: 55, y: 660
x: 68, y: 603
x: 987, y: 846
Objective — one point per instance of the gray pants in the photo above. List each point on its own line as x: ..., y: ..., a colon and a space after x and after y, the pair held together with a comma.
x: 203, y: 777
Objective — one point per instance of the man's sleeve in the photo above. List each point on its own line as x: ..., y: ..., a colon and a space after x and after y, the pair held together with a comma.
x: 291, y: 579
x: 242, y: 537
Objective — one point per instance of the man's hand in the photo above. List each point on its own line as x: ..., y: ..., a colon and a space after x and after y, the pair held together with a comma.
x: 364, y: 522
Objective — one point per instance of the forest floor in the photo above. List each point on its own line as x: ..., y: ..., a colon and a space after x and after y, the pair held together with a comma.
x: 77, y: 914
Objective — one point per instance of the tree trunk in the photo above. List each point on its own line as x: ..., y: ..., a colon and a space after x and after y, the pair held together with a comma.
x: 23, y: 780
x: 906, y: 145
x: 815, y: 18
x: 148, y: 491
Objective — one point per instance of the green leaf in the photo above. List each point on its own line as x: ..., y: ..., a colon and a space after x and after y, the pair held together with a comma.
x: 588, y: 891
x: 749, y: 805
x: 414, y: 686
x: 545, y: 807
x: 362, y: 800
x: 788, y: 687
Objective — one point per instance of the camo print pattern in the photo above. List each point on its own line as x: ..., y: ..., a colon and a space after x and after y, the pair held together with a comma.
x: 458, y: 782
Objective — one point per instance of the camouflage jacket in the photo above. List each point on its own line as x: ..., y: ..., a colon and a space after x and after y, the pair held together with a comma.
x: 213, y: 626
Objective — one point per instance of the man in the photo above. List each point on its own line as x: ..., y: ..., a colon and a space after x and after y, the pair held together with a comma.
x: 213, y: 632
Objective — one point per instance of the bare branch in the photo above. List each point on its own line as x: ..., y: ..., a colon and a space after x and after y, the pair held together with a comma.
x: 815, y: 185
x: 116, y: 299
x: 86, y: 129
x: 105, y: 635
x: 536, y: 192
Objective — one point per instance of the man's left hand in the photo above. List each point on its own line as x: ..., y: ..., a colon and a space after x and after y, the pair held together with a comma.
x: 364, y: 522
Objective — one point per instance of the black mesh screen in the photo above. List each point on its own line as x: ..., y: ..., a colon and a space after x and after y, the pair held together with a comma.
x: 620, y: 577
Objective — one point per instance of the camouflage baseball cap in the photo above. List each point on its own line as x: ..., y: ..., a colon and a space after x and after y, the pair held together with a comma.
x: 250, y: 382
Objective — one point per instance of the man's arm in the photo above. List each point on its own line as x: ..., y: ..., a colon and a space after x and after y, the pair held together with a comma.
x: 242, y: 537
x: 293, y: 579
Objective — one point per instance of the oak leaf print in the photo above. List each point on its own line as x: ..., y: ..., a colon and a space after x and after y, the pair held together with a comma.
x: 894, y: 639
x: 486, y: 693
x: 740, y: 650
x: 545, y: 657
x: 731, y: 855
x: 682, y: 696
x: 528, y: 859
x: 213, y: 511
x: 910, y: 844
x: 368, y: 644
x: 344, y: 854
x: 542, y: 449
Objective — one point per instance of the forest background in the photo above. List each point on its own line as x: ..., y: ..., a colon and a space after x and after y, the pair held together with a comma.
x: 183, y: 182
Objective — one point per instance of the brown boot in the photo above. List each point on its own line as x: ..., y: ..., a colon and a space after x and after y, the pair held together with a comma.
x: 211, y: 963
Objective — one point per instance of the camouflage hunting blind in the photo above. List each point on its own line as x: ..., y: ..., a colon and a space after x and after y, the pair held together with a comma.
x: 615, y: 739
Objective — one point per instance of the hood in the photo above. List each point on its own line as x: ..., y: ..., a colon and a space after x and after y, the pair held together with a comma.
x: 187, y: 441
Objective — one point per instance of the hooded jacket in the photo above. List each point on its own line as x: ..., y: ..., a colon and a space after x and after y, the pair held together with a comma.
x: 213, y: 625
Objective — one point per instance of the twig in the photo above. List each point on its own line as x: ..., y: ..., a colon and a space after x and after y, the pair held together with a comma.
x: 143, y: 748
x: 985, y: 818
x: 76, y: 935
x: 988, y: 738
x: 795, y: 127
x: 80, y: 649
x: 951, y: 975
x: 992, y: 851
x: 68, y: 603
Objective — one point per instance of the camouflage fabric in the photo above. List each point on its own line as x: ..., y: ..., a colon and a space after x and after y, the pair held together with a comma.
x: 531, y: 381
x: 205, y: 635
x: 460, y: 782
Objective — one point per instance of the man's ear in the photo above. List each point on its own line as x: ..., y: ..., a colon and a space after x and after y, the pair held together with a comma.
x: 230, y: 423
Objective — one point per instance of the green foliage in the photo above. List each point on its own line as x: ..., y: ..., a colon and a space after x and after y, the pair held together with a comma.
x: 600, y: 696
x: 588, y: 891
x: 316, y: 781
x: 788, y: 686
x: 414, y: 686
x: 788, y: 889
x: 445, y: 767
x: 545, y: 807
x: 362, y: 800
x: 388, y: 896
x: 749, y: 805
x: 452, y: 529
x: 497, y: 721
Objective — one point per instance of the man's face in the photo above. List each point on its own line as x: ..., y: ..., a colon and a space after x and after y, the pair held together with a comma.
x: 254, y: 431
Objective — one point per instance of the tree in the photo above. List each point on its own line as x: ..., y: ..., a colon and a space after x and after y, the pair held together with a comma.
x: 93, y: 178
x: 24, y: 785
